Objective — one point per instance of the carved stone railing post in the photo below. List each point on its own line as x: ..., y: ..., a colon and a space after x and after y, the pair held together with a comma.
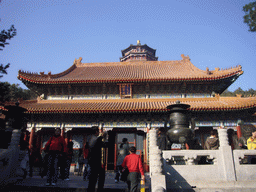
x: 158, y: 183
x: 11, y: 156
x: 223, y: 137
x: 14, y: 148
x: 226, y: 156
x: 15, y: 121
x: 155, y: 154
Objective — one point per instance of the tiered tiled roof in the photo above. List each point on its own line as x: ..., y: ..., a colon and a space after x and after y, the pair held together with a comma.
x: 137, y: 105
x: 139, y: 71
x: 138, y: 45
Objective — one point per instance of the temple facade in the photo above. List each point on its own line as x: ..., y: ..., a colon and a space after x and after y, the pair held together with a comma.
x: 128, y: 98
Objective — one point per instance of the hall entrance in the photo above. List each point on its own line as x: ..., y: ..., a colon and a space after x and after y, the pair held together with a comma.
x: 134, y: 137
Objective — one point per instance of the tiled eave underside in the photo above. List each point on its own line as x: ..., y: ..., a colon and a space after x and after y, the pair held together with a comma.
x: 71, y: 81
x: 134, y: 107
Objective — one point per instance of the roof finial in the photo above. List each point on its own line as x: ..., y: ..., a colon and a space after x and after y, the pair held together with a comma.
x: 138, y: 42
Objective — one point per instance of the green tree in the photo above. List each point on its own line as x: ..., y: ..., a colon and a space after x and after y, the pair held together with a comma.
x: 4, y: 36
x: 250, y: 17
x: 227, y: 93
x: 5, y: 89
x: 239, y: 91
x: 13, y: 92
x: 251, y: 92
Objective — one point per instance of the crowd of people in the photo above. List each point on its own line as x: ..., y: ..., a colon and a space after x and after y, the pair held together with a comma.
x: 58, y: 157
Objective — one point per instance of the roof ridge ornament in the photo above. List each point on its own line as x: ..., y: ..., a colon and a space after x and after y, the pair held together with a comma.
x: 49, y: 74
x: 208, y: 72
x: 185, y: 58
x: 78, y: 61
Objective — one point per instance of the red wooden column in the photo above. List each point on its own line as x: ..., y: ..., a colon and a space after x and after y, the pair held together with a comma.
x: 66, y: 137
x: 238, y: 129
x: 31, y: 137
x: 62, y: 132
x: 25, y: 136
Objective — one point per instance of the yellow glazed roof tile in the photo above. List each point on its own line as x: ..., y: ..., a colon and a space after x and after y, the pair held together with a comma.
x: 139, y: 71
x: 137, y: 105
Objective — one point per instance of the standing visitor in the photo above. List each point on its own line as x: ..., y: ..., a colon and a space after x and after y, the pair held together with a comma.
x: 55, y: 147
x: 35, y: 160
x: 251, y: 145
x: 123, y: 151
x: 24, y: 164
x: 68, y: 160
x: 80, y: 162
x: 134, y: 164
x: 161, y: 138
x: 97, y: 170
x: 212, y: 142
x: 242, y: 143
x: 86, y: 166
x: 234, y: 142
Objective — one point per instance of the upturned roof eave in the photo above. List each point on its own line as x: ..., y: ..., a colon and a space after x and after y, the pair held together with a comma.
x: 71, y: 81
x: 213, y: 104
x: 220, y: 109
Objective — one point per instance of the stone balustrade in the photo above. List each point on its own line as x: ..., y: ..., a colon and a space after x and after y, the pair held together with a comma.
x: 189, y: 157
x: 243, y: 170
x: 183, y: 167
x: 10, y: 160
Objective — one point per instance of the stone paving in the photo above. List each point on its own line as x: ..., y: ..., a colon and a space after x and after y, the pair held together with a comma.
x: 76, y: 183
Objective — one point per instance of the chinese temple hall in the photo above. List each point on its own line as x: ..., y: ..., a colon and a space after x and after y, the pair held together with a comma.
x: 128, y: 98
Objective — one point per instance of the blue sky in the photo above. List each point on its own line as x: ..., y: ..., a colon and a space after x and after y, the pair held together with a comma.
x: 52, y: 34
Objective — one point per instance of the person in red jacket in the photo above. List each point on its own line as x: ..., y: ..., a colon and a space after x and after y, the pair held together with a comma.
x: 134, y: 164
x: 55, y: 147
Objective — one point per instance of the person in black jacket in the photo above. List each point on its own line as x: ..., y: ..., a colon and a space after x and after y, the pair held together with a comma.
x: 97, y: 171
x: 161, y: 138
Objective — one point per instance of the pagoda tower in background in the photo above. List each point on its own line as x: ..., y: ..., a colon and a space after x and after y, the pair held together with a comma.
x: 138, y: 53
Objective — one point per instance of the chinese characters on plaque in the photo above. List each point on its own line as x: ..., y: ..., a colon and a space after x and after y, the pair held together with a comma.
x: 125, y: 90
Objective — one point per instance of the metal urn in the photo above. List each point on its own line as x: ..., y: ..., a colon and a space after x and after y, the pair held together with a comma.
x: 179, y: 131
